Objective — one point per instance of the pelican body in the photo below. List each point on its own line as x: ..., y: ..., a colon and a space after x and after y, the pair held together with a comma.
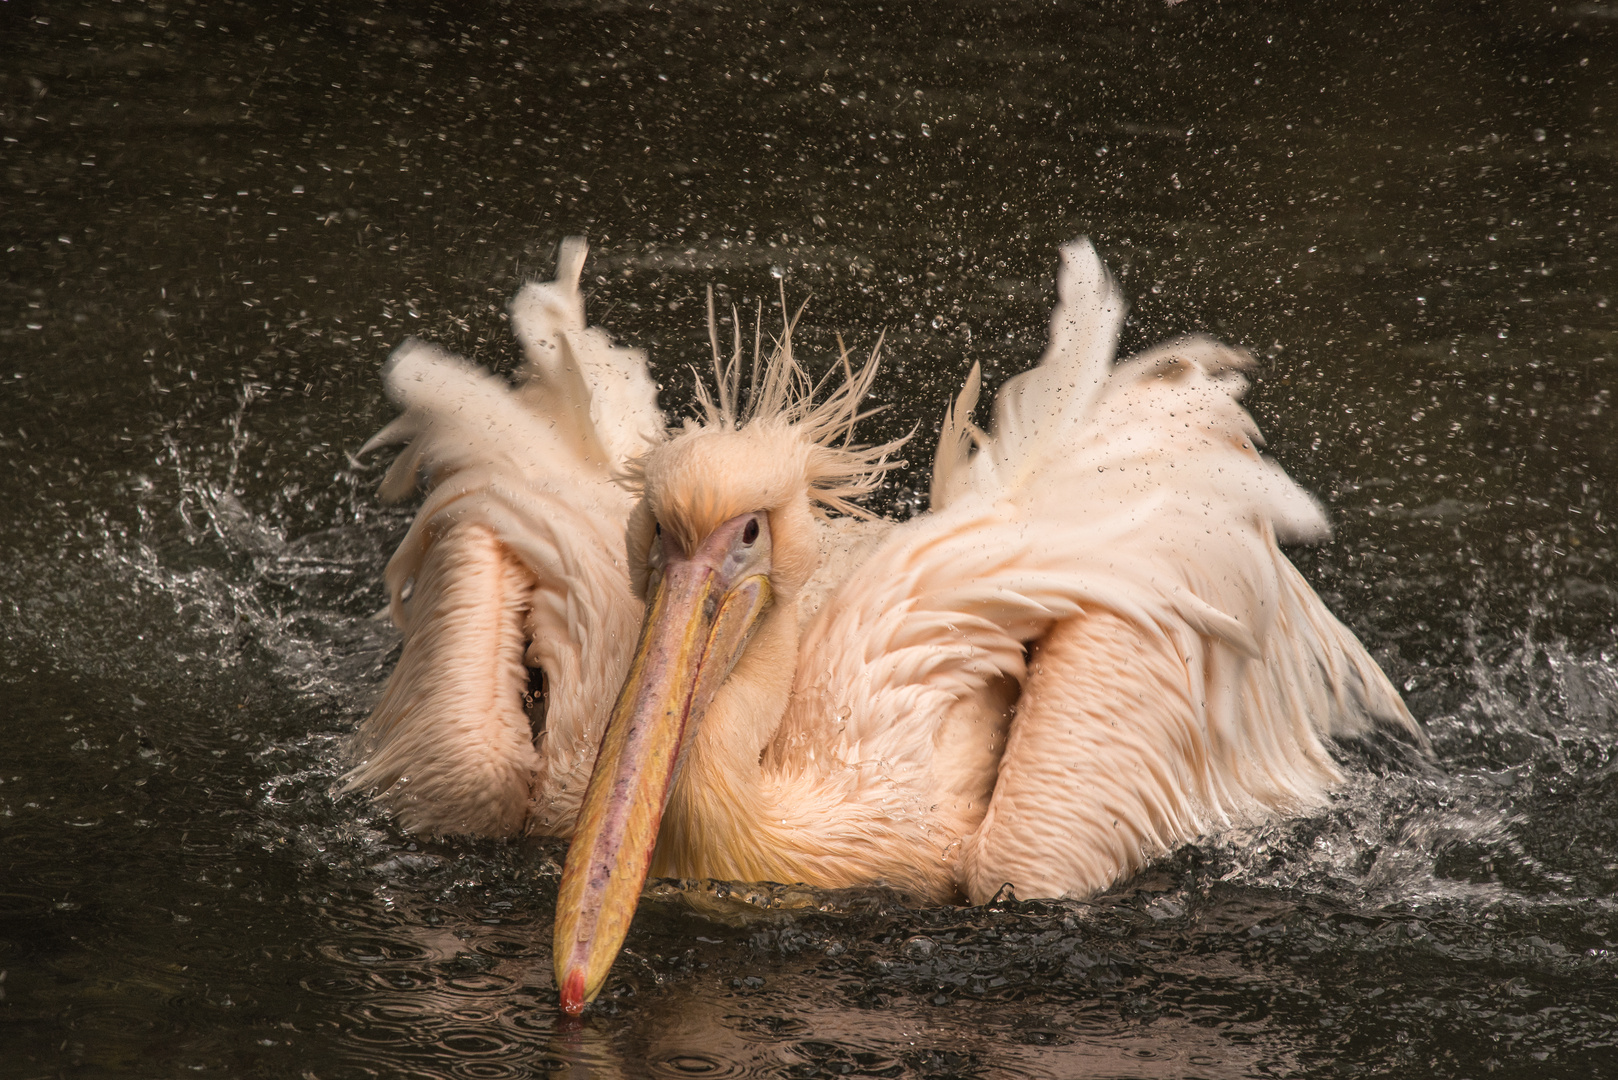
x: 689, y: 650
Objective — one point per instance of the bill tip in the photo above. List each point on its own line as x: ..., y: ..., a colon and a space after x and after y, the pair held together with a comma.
x: 573, y: 993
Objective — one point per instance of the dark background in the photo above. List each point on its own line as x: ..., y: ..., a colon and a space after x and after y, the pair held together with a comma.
x: 216, y: 220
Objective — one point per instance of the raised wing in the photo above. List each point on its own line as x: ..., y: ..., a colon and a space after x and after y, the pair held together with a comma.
x: 511, y: 587
x: 1111, y: 551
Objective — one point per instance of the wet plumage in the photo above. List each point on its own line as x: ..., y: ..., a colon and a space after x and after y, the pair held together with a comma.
x: 1089, y: 650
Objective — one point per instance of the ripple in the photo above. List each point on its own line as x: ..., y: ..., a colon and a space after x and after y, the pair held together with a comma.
x: 1043, y: 1037
x: 336, y: 986
x: 488, y: 1070
x: 404, y: 979
x: 815, y: 1050
x: 30, y: 838
x: 57, y: 877
x: 509, y: 949
x: 483, y: 982
x: 390, y: 1012
x: 385, y: 1034
x: 475, y: 1015
x: 476, y: 1042
x: 113, y: 1018
x: 388, y: 1069
x: 20, y: 905
x: 533, y: 1021
x: 689, y: 1063
x: 367, y: 950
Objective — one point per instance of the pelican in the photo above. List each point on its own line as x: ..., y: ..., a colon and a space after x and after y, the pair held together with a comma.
x: 692, y: 652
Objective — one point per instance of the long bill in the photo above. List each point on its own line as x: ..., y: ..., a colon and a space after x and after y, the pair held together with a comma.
x: 692, y: 636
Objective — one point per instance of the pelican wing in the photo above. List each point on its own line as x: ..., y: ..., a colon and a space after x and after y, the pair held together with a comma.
x: 572, y: 372
x: 1205, y: 676
x: 1112, y: 552
x: 511, y: 586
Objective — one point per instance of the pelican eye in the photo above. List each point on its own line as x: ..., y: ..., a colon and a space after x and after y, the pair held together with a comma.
x: 750, y: 533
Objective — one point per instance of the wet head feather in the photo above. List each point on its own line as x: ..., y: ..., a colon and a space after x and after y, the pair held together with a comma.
x: 788, y: 438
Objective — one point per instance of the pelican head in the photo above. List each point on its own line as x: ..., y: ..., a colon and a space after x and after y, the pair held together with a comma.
x: 720, y: 544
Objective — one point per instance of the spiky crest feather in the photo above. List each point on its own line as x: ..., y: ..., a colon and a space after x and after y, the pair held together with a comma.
x: 781, y: 405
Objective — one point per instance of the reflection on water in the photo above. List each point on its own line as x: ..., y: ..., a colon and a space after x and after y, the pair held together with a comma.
x: 219, y: 220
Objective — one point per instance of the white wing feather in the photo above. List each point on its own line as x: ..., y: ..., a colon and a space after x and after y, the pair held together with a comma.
x: 1122, y: 515
x: 515, y: 561
x: 573, y: 372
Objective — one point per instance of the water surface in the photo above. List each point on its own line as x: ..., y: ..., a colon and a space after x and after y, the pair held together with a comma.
x: 217, y: 219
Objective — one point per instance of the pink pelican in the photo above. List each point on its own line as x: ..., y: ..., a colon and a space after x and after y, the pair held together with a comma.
x: 690, y: 650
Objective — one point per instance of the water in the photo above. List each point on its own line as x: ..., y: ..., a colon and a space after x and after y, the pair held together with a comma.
x: 217, y: 220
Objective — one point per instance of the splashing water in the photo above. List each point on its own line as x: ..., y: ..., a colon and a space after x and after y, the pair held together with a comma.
x: 1401, y: 208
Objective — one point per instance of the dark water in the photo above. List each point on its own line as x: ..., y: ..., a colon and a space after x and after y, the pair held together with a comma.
x: 218, y: 218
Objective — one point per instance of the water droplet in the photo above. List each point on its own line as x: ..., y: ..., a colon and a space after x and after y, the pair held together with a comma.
x: 920, y: 948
